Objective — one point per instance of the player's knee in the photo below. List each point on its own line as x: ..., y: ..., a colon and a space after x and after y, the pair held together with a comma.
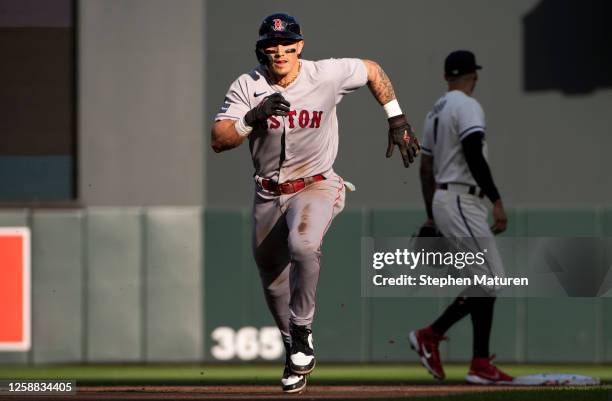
x: 302, y: 248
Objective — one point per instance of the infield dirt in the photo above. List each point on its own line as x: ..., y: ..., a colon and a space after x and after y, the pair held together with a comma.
x: 252, y: 392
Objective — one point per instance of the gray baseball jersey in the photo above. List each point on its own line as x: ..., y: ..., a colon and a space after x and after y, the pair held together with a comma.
x: 288, y: 229
x: 311, y: 128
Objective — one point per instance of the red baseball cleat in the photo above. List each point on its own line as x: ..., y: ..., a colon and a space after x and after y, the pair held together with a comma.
x: 483, y: 372
x: 425, y: 342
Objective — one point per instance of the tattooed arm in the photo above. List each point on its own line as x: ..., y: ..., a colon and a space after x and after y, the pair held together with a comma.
x: 379, y: 83
x: 400, y: 132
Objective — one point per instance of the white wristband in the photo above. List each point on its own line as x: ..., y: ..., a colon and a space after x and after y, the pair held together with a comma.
x: 242, y: 129
x: 392, y: 109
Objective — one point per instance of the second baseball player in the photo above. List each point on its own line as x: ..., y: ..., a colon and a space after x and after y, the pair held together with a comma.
x: 455, y: 176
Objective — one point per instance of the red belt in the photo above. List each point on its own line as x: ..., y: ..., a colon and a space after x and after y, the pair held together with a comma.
x: 290, y: 187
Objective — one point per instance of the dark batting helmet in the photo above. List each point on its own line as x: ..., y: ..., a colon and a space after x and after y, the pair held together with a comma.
x: 279, y: 26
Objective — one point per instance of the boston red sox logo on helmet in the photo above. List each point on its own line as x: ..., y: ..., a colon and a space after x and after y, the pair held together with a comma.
x: 276, y: 27
x: 278, y: 24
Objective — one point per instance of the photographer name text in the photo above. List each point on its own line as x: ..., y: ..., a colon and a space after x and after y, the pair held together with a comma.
x: 449, y: 281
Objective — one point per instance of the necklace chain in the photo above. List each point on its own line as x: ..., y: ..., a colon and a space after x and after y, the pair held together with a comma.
x: 286, y: 84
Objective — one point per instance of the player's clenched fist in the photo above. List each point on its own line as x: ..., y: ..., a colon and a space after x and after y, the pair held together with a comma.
x: 401, y: 134
x: 273, y: 105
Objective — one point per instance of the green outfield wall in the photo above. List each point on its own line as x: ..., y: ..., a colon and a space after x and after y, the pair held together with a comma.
x: 170, y: 284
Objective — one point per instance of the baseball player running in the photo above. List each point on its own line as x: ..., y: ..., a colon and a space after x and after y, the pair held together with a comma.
x: 286, y: 108
x: 454, y: 177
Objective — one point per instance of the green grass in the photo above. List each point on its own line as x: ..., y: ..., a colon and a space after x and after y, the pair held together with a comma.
x: 260, y: 373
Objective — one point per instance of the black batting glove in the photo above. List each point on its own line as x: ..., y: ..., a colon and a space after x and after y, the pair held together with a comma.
x: 273, y: 105
x: 401, y: 134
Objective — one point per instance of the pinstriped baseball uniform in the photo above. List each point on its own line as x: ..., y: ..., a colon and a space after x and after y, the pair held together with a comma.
x: 457, y: 214
x: 288, y: 229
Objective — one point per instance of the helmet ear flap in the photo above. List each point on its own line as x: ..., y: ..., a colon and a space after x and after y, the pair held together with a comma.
x: 261, y: 57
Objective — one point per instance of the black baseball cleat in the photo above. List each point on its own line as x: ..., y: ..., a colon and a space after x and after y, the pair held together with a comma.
x: 302, y: 359
x: 291, y: 382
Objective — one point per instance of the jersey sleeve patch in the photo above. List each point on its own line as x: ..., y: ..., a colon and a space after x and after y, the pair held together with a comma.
x: 236, y: 102
x: 225, y: 106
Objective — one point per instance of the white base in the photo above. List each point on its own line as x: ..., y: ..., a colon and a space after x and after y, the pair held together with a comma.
x: 556, y: 379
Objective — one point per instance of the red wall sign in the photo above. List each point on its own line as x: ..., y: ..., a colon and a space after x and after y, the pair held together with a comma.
x: 15, y: 289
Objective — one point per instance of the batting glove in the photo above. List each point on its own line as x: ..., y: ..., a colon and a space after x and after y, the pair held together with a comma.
x: 273, y: 105
x: 401, y: 134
